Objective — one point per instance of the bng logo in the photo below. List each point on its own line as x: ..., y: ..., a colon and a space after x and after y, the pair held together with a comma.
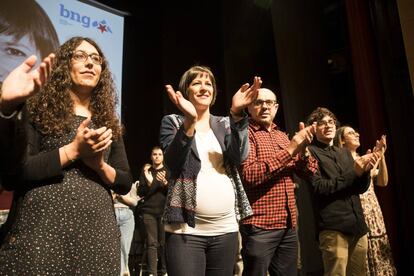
x: 85, y: 21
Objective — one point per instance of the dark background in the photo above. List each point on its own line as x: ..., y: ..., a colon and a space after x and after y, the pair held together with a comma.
x: 347, y: 55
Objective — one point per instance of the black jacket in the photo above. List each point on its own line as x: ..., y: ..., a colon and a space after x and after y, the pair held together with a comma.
x: 336, y: 190
x: 153, y: 197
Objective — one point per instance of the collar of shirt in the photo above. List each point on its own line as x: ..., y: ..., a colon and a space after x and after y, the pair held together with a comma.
x: 255, y: 126
x: 323, y: 146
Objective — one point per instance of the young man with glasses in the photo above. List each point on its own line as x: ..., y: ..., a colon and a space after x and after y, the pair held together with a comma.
x: 269, y: 239
x: 336, y: 186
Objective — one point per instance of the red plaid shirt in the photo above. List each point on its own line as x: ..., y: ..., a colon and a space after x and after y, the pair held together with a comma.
x: 268, y: 177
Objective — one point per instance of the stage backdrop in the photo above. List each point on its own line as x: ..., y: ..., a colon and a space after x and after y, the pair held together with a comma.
x: 91, y: 19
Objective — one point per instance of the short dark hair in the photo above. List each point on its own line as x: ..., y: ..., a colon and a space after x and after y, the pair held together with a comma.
x: 191, y: 74
x: 156, y: 148
x: 318, y: 114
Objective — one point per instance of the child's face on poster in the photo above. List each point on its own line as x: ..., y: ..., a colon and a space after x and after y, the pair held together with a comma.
x: 14, y: 51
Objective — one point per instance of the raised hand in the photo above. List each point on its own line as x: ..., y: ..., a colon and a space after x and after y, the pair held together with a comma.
x: 148, y: 174
x: 245, y: 95
x: 184, y: 105
x: 366, y: 162
x: 381, y: 144
x: 147, y: 167
x: 302, y: 138
x: 24, y: 82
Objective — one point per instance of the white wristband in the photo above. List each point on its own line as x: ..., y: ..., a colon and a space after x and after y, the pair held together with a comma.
x: 8, y: 116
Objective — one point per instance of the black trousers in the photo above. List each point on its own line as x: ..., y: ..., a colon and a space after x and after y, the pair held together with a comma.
x: 273, y: 251
x: 191, y: 255
x: 155, y: 237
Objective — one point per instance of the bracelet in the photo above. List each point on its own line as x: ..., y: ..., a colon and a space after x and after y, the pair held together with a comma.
x: 67, y: 156
x: 8, y: 117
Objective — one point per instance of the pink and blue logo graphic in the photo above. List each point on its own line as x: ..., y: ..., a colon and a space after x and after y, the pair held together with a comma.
x: 69, y: 17
x: 102, y: 26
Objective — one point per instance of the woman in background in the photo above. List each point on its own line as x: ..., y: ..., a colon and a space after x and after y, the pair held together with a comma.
x: 379, y: 257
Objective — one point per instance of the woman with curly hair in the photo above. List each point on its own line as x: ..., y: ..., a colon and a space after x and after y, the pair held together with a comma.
x: 64, y: 220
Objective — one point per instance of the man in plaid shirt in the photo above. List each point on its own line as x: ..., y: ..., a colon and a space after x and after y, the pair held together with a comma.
x: 269, y: 239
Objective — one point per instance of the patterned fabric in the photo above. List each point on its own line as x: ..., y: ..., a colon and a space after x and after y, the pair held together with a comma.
x: 268, y: 178
x: 65, y: 221
x: 379, y: 261
x: 182, y: 159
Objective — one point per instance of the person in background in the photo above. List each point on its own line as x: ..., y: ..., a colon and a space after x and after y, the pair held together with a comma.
x: 336, y: 186
x: 153, y: 191
x: 25, y: 30
x: 379, y: 257
x: 65, y: 222
x: 269, y: 237
x: 124, y: 205
x: 205, y: 195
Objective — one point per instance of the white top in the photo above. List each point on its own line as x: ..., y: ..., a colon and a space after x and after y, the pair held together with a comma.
x: 132, y: 196
x: 215, y: 196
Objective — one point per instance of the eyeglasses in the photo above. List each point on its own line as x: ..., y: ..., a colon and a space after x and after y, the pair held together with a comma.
x: 269, y: 103
x: 352, y: 132
x: 81, y: 56
x: 323, y: 123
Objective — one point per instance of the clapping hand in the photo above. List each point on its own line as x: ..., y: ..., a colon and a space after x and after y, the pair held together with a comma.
x: 24, y: 82
x: 89, y: 145
x: 366, y: 162
x: 245, y: 95
x: 161, y: 177
x: 381, y: 144
x: 380, y: 147
x: 302, y: 139
x: 184, y: 105
x: 97, y: 141
x: 88, y: 142
x: 148, y: 174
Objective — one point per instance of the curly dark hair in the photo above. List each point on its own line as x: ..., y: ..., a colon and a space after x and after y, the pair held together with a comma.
x: 318, y: 114
x: 51, y: 110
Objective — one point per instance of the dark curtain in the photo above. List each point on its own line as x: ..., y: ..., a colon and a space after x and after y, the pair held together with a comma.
x: 385, y: 106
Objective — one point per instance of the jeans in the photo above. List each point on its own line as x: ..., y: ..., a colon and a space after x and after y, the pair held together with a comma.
x: 189, y: 255
x: 126, y: 224
x: 155, y: 237
x: 273, y: 251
